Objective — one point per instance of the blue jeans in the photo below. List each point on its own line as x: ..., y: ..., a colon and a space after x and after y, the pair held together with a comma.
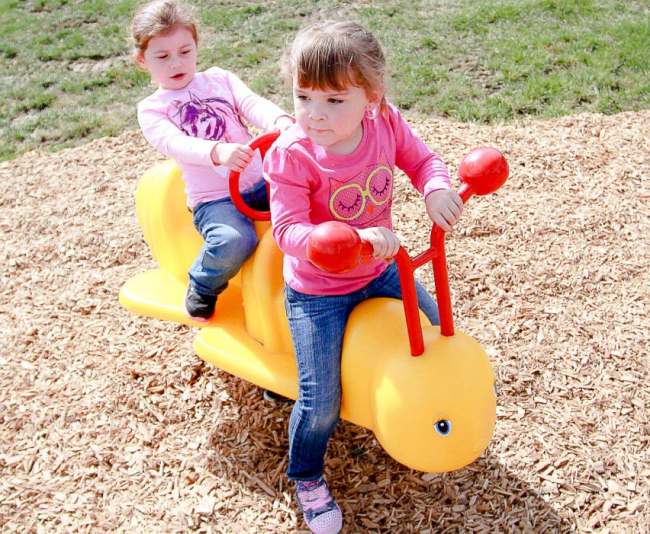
x: 317, y: 324
x: 229, y: 239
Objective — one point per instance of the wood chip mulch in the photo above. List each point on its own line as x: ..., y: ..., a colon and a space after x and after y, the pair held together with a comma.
x: 109, y: 422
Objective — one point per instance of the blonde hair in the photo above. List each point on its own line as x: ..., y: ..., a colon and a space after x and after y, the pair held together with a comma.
x: 158, y: 17
x: 335, y: 55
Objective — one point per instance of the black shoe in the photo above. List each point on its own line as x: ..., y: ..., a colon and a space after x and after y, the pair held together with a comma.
x: 272, y: 396
x: 199, y: 305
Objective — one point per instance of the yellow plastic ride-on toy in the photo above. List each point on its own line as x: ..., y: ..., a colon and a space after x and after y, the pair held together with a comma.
x: 427, y: 392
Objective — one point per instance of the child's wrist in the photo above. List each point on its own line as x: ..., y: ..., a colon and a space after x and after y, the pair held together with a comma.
x: 427, y: 194
x: 214, y: 155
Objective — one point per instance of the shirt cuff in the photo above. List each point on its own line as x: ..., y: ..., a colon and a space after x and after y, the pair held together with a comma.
x: 434, y: 185
x: 212, y: 150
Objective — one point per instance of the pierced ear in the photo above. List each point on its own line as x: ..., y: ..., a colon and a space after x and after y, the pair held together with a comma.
x: 138, y: 57
x: 372, y: 111
x: 376, y: 97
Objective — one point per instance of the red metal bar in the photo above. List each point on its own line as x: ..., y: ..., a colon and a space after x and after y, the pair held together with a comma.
x: 423, y: 257
x: 440, y: 275
x: 465, y: 192
x: 441, y: 280
x: 410, y: 301
x: 407, y: 266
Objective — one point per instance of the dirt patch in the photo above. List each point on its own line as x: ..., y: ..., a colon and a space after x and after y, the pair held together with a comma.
x: 102, y: 65
x: 109, y: 422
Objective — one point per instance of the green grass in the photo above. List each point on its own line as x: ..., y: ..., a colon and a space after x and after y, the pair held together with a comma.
x: 66, y: 74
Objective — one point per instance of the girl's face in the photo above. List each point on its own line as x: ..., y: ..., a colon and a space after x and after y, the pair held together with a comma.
x: 332, y: 118
x: 170, y: 58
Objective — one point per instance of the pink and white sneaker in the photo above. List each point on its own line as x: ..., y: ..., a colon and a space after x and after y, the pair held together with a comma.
x: 322, y: 514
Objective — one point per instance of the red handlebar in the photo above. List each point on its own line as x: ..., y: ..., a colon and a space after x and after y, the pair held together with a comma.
x: 336, y: 247
x: 261, y: 143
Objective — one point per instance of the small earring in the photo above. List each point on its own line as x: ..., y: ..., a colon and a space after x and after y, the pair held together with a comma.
x: 372, y: 112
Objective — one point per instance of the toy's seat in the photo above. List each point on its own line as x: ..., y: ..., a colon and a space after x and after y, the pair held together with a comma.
x: 174, y: 242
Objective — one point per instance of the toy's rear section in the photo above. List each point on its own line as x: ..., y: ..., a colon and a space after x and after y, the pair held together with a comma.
x: 167, y: 227
x: 248, y: 333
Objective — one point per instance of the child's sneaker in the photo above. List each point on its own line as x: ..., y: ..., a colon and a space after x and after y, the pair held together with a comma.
x: 272, y: 396
x: 322, y: 514
x: 198, y: 305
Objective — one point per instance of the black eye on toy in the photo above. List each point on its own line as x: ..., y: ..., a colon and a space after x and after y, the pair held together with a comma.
x: 443, y: 427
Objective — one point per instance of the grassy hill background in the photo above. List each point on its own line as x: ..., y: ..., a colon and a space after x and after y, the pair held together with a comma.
x: 66, y: 74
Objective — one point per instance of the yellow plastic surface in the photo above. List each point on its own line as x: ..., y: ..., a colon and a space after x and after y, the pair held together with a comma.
x: 384, y: 388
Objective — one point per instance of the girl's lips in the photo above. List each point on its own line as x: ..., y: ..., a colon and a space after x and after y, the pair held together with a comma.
x: 178, y: 76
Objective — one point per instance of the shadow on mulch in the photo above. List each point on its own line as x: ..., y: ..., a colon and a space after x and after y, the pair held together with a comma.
x: 377, y: 494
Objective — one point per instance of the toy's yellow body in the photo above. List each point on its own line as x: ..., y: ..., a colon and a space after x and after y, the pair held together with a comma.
x: 385, y: 389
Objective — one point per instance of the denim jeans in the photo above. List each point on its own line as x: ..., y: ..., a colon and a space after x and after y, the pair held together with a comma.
x: 229, y: 239
x: 317, y: 324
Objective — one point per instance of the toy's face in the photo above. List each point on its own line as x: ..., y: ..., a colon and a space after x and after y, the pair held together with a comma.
x: 436, y: 412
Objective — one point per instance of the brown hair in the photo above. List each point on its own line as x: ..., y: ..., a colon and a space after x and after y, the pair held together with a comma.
x: 335, y: 55
x: 158, y: 17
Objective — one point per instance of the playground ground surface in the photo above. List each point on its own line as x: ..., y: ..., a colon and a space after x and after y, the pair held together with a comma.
x: 110, y: 423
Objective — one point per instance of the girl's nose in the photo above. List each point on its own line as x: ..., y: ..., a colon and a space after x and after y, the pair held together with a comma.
x: 316, y: 113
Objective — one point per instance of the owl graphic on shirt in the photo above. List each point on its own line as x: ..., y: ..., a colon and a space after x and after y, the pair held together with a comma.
x: 365, y: 199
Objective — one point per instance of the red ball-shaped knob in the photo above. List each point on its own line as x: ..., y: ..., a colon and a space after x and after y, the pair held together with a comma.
x: 484, y: 169
x: 334, y: 247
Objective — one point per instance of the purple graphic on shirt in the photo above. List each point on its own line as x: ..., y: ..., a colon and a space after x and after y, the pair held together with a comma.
x: 206, y: 119
x: 364, y: 198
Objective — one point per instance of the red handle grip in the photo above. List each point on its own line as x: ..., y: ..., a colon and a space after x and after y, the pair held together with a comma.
x: 336, y: 247
x: 262, y: 143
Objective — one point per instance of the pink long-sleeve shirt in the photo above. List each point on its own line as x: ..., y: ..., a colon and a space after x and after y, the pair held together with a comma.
x: 185, y: 124
x: 310, y: 185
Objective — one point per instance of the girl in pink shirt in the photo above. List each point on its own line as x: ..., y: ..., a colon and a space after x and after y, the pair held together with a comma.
x: 337, y: 163
x: 197, y: 119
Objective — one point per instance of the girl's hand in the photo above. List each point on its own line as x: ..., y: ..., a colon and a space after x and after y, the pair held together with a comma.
x: 233, y: 155
x: 444, y: 207
x: 384, y: 242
